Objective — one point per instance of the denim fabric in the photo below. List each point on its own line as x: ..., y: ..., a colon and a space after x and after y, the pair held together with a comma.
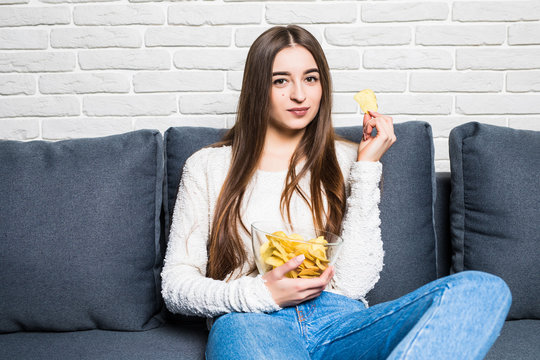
x: 455, y: 317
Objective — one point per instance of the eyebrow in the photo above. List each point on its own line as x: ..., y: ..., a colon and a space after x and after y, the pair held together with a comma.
x: 288, y: 73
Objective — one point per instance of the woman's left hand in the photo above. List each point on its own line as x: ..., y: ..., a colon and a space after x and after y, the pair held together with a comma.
x: 372, y: 148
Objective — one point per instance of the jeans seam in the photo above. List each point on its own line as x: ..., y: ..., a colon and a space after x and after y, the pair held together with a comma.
x: 306, y: 323
x: 382, y: 317
x: 300, y: 318
x: 409, y: 347
x: 311, y: 309
x: 411, y: 343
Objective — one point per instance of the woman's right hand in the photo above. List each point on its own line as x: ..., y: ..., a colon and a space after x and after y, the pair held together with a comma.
x: 291, y: 292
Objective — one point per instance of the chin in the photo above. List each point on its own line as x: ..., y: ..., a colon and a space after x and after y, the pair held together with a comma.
x: 293, y: 124
x: 298, y: 124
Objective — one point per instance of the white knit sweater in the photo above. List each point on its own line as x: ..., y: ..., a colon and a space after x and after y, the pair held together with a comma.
x: 185, y: 287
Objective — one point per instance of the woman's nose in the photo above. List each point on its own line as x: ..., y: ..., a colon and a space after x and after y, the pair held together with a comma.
x: 297, y: 93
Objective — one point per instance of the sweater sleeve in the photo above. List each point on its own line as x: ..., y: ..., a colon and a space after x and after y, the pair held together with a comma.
x: 361, y: 258
x: 185, y: 288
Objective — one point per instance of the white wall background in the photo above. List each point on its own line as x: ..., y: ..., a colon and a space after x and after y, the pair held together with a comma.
x: 83, y: 68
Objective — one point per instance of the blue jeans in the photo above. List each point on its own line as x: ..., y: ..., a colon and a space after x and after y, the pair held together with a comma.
x: 456, y: 317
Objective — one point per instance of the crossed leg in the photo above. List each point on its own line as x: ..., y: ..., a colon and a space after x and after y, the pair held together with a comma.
x: 456, y: 317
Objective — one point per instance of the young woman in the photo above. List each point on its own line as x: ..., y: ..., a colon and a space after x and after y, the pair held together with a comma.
x: 282, y: 162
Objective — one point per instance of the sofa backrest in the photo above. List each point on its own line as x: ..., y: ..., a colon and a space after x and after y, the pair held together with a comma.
x: 179, y: 144
x: 495, y: 208
x: 442, y: 224
x: 407, y: 200
x: 80, y: 224
x: 79, y: 233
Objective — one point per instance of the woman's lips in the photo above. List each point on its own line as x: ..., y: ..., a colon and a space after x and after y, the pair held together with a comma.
x: 300, y: 111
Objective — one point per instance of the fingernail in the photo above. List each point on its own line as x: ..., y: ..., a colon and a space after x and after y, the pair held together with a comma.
x: 300, y: 258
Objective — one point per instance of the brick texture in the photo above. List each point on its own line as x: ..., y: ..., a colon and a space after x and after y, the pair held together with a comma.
x: 15, y: 84
x: 408, y: 11
x: 83, y: 68
x: 294, y: 13
x: 23, y: 39
x: 95, y: 37
x: 214, y: 14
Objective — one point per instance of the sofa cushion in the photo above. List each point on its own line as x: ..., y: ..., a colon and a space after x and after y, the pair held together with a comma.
x: 518, y: 340
x: 408, y: 192
x: 495, y: 208
x: 163, y: 343
x: 180, y: 144
x: 79, y: 233
x: 406, y: 206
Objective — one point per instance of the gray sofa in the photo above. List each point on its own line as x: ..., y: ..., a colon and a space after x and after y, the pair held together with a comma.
x: 84, y: 224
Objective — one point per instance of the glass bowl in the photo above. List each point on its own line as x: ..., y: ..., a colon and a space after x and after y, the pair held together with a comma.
x: 276, y: 243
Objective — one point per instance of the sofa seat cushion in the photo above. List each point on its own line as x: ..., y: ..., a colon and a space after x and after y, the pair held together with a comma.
x: 80, y: 232
x: 518, y: 340
x: 165, y: 342
x: 495, y: 208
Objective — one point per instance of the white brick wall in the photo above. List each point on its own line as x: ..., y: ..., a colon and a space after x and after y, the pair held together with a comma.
x: 78, y: 68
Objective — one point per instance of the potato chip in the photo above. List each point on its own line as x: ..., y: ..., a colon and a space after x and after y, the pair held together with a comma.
x: 318, y: 254
x: 367, y: 100
x: 281, y: 234
x: 319, y: 240
x: 274, y: 261
x: 266, y: 250
x: 296, y: 237
x: 319, y: 264
x: 279, y: 255
x: 309, y: 256
x: 280, y: 248
x: 309, y: 272
x: 292, y: 274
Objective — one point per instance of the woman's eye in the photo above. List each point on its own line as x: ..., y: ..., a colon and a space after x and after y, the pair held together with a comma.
x: 311, y: 79
x: 279, y: 82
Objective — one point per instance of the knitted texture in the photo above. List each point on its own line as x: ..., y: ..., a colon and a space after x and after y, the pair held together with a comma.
x: 185, y: 287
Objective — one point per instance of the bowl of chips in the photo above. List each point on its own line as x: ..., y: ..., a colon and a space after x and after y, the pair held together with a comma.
x: 275, y: 244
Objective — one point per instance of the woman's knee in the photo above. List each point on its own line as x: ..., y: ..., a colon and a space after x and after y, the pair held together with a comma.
x: 225, y: 337
x: 227, y: 322
x: 485, y: 279
x: 243, y: 324
x: 482, y: 284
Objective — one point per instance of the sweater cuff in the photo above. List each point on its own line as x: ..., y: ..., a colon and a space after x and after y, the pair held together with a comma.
x: 366, y: 171
x: 262, y: 292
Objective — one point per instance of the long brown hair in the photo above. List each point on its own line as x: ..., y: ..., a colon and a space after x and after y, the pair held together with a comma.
x: 246, y: 138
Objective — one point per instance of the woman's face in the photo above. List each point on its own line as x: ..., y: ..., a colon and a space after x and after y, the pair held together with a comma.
x: 296, y: 89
